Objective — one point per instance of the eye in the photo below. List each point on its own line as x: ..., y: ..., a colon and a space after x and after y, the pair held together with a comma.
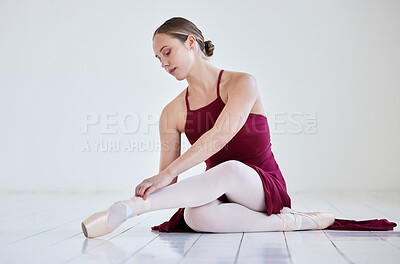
x: 168, y: 53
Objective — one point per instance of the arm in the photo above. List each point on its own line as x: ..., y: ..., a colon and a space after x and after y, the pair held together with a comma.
x: 241, y: 98
x: 170, y: 138
x: 170, y: 151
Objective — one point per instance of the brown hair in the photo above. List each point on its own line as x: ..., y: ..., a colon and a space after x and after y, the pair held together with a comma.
x: 180, y: 28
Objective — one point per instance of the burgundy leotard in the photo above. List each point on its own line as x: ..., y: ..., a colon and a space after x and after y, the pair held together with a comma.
x: 251, y: 145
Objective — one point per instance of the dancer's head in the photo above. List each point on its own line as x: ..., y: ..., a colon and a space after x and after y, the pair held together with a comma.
x: 182, y: 45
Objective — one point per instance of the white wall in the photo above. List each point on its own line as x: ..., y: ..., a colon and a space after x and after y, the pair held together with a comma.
x: 60, y: 60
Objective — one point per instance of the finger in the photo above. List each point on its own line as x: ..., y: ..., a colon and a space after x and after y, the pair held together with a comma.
x: 138, y: 189
x: 149, y: 191
x: 144, y: 187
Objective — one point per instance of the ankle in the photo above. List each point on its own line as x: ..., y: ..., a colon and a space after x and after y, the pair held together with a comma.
x: 140, y: 205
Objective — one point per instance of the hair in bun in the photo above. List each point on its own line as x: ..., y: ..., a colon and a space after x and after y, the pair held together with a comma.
x: 181, y: 28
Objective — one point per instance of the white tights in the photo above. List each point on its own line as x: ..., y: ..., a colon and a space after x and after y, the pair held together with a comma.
x: 198, y: 194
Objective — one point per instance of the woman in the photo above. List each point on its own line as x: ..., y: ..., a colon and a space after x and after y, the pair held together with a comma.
x: 221, y: 114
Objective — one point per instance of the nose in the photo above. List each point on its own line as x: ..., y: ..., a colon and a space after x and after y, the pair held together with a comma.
x: 163, y: 63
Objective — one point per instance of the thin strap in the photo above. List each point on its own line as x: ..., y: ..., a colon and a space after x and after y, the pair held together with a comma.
x: 187, y: 90
x: 186, y: 98
x: 219, y: 79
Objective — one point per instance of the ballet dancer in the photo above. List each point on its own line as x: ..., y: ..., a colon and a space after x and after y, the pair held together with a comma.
x: 242, y: 188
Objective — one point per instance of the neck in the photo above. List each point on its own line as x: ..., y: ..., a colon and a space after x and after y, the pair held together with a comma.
x: 203, y: 78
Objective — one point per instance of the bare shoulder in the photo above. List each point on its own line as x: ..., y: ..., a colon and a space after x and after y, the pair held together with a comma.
x: 239, y: 75
x: 174, y: 113
x: 241, y: 80
x: 234, y: 80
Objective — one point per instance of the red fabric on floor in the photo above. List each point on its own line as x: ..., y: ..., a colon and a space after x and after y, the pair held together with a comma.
x: 363, y: 225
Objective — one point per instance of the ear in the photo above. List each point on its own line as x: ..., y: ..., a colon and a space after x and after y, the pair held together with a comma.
x: 190, y: 41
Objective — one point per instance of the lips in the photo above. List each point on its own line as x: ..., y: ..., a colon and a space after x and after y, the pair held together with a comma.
x: 171, y: 71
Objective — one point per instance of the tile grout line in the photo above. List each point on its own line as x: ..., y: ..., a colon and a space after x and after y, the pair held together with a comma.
x: 357, y: 199
x: 383, y: 238
x: 184, y: 255
x: 134, y: 253
x: 38, y: 233
x: 41, y: 232
x: 237, y: 253
x: 47, y: 230
x: 106, y: 241
x: 338, y: 250
x: 287, y: 247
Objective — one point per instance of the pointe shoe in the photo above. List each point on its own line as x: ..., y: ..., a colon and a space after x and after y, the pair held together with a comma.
x: 97, y: 224
x: 322, y: 219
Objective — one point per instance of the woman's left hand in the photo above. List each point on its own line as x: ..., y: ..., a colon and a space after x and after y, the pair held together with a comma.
x: 152, y: 184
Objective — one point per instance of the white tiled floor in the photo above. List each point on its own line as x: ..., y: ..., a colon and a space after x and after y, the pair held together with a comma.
x: 45, y: 228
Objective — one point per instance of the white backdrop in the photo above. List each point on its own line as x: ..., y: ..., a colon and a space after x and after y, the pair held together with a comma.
x: 328, y: 73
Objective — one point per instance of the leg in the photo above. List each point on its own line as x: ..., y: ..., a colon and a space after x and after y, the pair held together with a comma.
x: 239, y: 182
x: 219, y: 217
x: 198, y: 194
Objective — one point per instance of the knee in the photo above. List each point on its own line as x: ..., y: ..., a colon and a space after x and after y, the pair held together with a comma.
x: 194, y: 218
x: 231, y: 170
x: 199, y: 218
x: 231, y: 167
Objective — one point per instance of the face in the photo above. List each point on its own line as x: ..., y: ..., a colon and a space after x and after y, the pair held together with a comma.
x: 174, y: 55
